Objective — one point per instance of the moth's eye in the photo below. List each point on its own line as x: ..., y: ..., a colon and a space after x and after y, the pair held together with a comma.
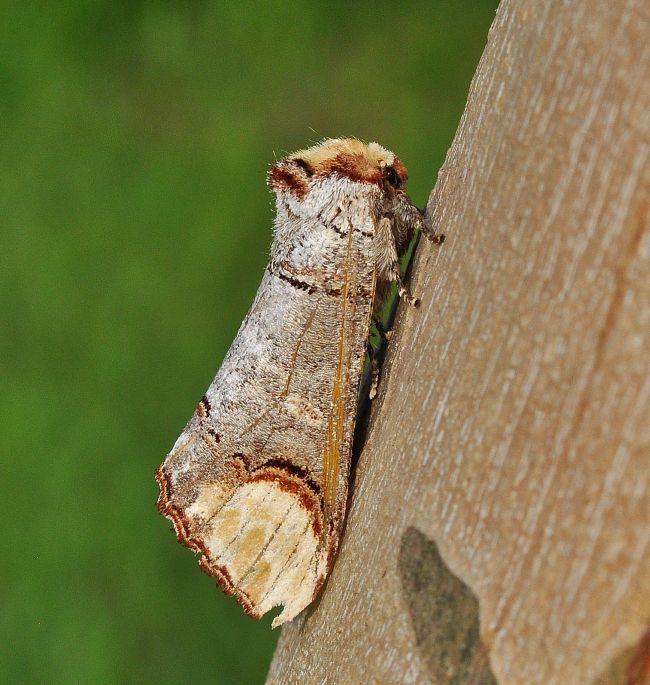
x: 392, y: 177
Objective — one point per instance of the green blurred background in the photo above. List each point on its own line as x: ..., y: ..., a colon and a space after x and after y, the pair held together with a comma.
x: 134, y: 143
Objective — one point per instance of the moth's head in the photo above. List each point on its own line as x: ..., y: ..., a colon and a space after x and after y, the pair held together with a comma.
x: 345, y: 157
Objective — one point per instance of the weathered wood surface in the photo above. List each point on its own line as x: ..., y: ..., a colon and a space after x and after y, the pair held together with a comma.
x: 507, y: 465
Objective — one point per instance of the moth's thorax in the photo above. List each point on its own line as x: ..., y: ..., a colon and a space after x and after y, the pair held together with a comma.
x: 309, y: 231
x: 325, y: 189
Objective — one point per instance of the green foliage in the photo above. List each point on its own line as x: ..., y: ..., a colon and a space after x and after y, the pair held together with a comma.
x: 134, y: 140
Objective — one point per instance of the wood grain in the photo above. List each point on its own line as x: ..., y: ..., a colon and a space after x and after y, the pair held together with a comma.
x: 512, y: 428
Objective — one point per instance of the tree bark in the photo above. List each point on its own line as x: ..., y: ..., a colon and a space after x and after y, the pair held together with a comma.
x: 499, y: 527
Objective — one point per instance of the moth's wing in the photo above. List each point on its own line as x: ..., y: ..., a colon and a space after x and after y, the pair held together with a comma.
x: 257, y: 482
x: 356, y: 306
x: 259, y: 538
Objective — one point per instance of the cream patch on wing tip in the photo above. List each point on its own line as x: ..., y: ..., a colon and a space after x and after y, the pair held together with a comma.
x: 263, y: 537
x: 211, y: 497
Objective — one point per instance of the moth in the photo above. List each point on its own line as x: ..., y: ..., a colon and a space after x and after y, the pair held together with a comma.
x: 257, y: 483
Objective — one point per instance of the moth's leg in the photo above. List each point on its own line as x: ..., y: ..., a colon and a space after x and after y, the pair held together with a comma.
x: 374, y: 370
x: 402, y: 290
x: 430, y: 234
x: 427, y: 229
x: 388, y: 261
x: 384, y: 333
x: 377, y: 353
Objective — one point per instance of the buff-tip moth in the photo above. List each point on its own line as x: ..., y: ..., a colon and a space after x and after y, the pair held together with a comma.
x: 257, y: 483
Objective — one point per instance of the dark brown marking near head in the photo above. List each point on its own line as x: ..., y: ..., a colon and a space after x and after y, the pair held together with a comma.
x: 296, y: 282
x: 286, y: 177
x: 338, y: 230
x: 333, y: 292
x: 344, y: 234
x: 305, y: 166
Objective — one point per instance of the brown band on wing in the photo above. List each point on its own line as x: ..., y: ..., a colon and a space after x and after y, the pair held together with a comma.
x: 282, y: 271
x: 296, y: 482
x: 296, y: 283
x: 294, y: 470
